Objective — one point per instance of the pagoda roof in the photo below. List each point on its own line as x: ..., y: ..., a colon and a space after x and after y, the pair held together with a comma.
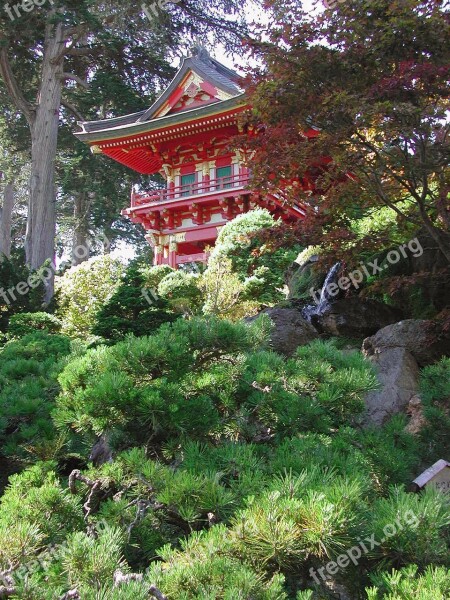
x: 198, y: 73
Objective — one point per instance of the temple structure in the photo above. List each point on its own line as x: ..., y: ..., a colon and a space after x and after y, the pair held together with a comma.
x: 185, y: 136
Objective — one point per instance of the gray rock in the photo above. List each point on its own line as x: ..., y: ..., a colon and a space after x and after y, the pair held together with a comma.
x: 415, y: 336
x: 290, y: 330
x: 354, y: 317
x: 398, y: 373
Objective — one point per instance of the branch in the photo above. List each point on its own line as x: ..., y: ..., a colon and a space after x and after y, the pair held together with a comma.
x: 13, y: 88
x: 6, y: 592
x: 153, y: 591
x: 86, y: 51
x: 70, y: 107
x: 74, y: 77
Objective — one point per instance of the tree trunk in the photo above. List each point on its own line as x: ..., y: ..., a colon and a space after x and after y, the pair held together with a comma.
x: 41, y: 222
x: 80, y: 246
x: 6, y: 220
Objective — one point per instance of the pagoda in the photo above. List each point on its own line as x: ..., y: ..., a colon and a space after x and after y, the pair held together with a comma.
x: 185, y: 136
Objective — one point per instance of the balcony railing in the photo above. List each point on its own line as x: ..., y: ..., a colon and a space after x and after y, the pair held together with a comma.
x: 229, y: 182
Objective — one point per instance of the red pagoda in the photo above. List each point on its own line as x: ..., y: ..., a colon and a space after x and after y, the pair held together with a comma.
x: 185, y: 137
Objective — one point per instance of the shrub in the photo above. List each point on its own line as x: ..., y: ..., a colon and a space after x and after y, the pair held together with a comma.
x: 181, y: 290
x: 435, y: 395
x: 25, y: 323
x: 83, y: 290
x: 134, y: 307
x: 224, y: 292
x: 411, y: 528
x: 28, y: 370
x: 408, y: 583
x: 259, y: 266
x: 205, y: 568
x: 13, y: 271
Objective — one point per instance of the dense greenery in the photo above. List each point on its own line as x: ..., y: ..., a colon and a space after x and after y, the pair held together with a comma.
x: 135, y: 306
x: 13, y: 271
x: 28, y: 370
x: 152, y: 444
x: 235, y: 471
x: 83, y: 291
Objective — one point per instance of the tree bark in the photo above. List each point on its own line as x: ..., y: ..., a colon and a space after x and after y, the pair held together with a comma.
x: 41, y: 223
x: 6, y: 220
x: 80, y: 246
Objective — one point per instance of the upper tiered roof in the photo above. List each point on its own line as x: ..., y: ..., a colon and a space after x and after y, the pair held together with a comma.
x: 200, y: 82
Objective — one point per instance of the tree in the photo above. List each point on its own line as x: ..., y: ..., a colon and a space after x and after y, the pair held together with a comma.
x: 6, y: 219
x: 134, y: 307
x: 254, y: 262
x: 44, y: 60
x: 367, y: 82
x: 84, y: 289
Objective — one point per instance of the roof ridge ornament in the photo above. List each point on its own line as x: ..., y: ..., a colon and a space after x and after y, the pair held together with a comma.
x: 198, y: 48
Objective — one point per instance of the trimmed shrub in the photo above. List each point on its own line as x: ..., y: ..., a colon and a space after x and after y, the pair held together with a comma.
x: 26, y: 323
x: 28, y: 386
x: 134, y: 307
x: 83, y: 290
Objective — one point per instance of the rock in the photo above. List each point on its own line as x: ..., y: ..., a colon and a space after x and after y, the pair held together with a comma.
x: 295, y: 275
x: 290, y: 329
x: 398, y: 374
x: 101, y: 452
x: 354, y: 317
x: 415, y: 336
x: 417, y: 420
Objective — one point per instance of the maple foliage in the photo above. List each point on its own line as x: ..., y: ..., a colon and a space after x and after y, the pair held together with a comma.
x: 354, y: 102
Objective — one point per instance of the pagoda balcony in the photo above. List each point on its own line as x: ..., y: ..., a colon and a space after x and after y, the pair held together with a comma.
x: 221, y: 186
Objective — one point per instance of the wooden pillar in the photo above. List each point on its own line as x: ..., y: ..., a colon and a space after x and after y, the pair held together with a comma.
x: 173, y: 248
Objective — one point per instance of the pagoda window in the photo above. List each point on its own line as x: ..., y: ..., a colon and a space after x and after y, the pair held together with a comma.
x: 224, y: 177
x: 188, y: 184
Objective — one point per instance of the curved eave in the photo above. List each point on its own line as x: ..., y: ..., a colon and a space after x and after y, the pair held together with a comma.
x: 124, y: 132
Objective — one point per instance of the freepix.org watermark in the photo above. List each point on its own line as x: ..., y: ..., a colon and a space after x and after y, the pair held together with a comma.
x: 354, y: 553
x: 15, y: 11
x: 366, y: 270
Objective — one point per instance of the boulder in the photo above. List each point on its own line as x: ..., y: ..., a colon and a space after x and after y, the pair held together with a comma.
x: 416, y: 336
x: 290, y: 329
x: 295, y: 277
x: 354, y: 317
x: 398, y: 374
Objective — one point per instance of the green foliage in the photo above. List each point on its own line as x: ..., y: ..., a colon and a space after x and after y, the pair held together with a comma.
x: 35, y: 511
x: 142, y: 378
x: 259, y: 266
x: 12, y: 272
x: 26, y: 323
x: 408, y: 583
x: 90, y: 562
x: 202, y: 570
x: 411, y: 528
x: 234, y: 471
x: 28, y: 371
x: 224, y: 292
x: 181, y: 290
x: 83, y: 290
x: 204, y: 378
x: 134, y: 307
x: 435, y: 395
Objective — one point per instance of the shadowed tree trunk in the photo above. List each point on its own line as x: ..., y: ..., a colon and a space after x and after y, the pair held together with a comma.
x: 43, y: 120
x: 6, y: 219
x: 41, y: 223
x: 80, y: 247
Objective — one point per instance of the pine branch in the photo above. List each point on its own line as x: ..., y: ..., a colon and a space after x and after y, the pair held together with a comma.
x: 71, y: 108
x: 11, y: 84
